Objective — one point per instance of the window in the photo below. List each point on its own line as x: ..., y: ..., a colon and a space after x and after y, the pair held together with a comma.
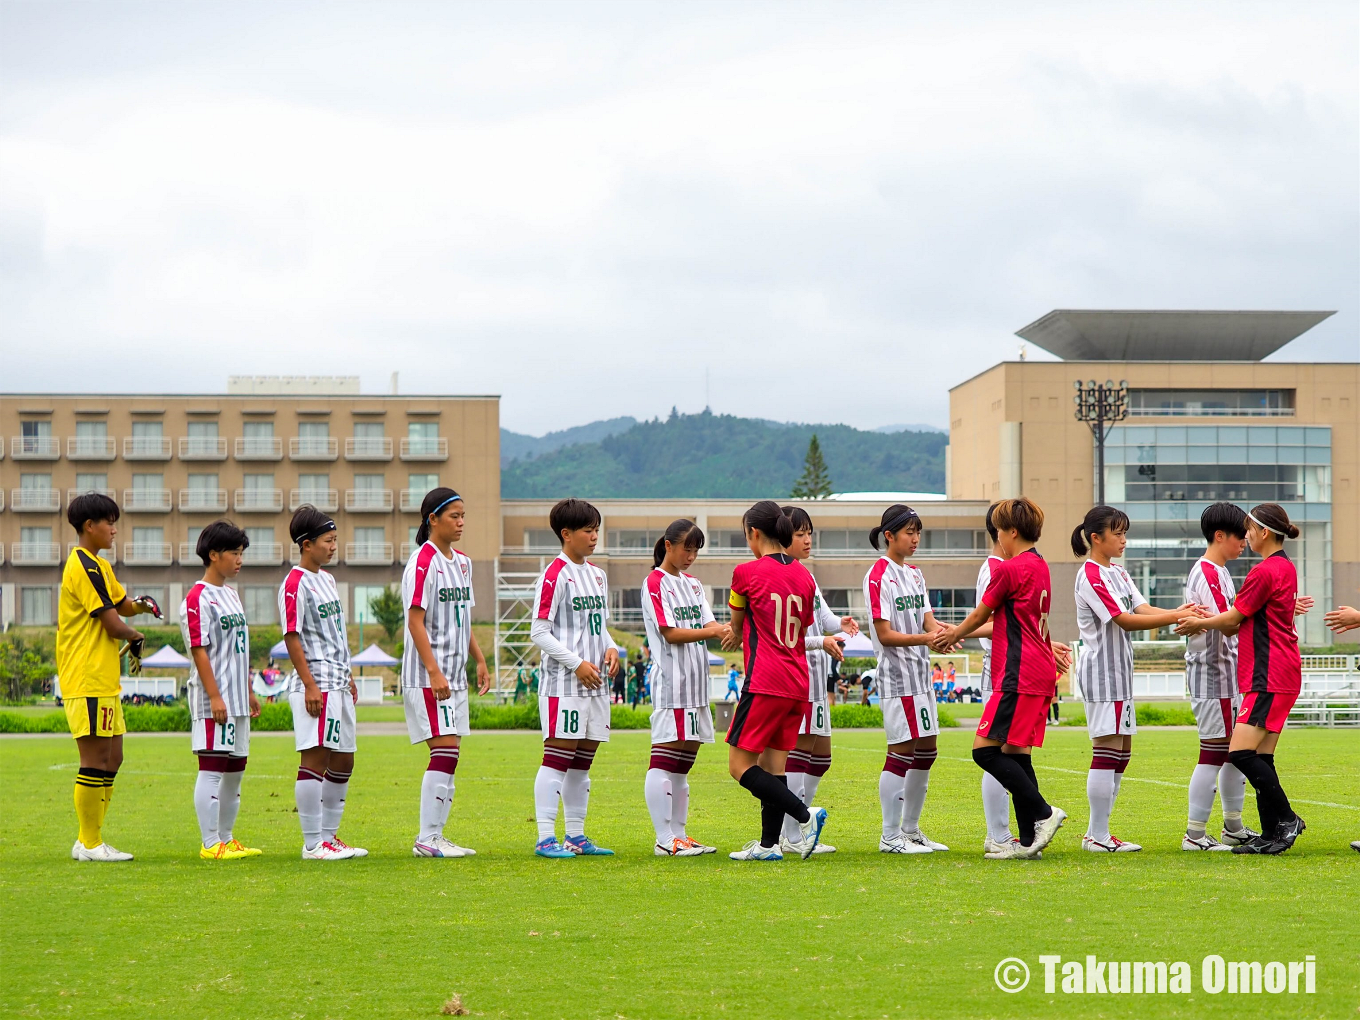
x: 36, y: 430
x: 201, y: 440
x: 261, y: 548
x: 257, y: 439
x: 93, y: 481
x: 368, y: 542
x: 314, y: 439
x: 35, y: 606
x: 261, y: 482
x: 363, y: 596
x: 91, y: 438
x: 540, y: 538
x: 148, y: 483
x: 314, y: 488
x: 258, y: 430
x: 259, y: 536
x: 368, y: 430
x: 202, y: 430
x: 368, y: 483
x: 627, y: 539
x: 314, y: 430
x: 147, y: 429
x: 35, y: 543
x: 148, y: 544
x: 193, y: 543
x: 839, y: 540
x: 1211, y: 403
x: 727, y: 539
x: 837, y: 600
x: 260, y: 602
x: 203, y: 484
x: 422, y: 438
x: 947, y: 539
x: 418, y: 485
x: 35, y: 482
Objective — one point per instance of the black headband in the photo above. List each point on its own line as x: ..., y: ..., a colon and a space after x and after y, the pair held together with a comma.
x: 901, y: 520
x: 315, y: 533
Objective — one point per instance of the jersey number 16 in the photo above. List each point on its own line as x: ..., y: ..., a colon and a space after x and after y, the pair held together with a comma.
x: 786, y: 622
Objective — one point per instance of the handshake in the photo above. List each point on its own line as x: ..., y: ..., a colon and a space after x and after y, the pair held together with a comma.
x: 942, y: 639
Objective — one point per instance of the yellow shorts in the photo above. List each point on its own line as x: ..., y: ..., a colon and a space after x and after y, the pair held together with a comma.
x: 97, y: 717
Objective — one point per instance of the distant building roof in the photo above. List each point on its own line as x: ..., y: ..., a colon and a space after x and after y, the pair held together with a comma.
x: 1093, y: 335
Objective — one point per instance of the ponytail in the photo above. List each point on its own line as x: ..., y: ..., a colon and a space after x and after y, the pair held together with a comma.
x: 769, y: 520
x: 894, y: 519
x: 1099, y: 519
x: 1273, y: 517
x: 679, y: 531
x: 435, y: 500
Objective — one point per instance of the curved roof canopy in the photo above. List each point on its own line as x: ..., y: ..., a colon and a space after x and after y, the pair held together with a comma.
x: 1093, y: 335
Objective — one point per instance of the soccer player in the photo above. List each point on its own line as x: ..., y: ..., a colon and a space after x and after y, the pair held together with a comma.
x: 771, y: 604
x: 436, y: 591
x: 221, y: 703
x: 1023, y: 673
x: 321, y: 690
x: 899, y: 606
x: 1109, y: 608
x: 679, y: 620
x: 1269, y: 671
x: 89, y: 628
x: 1211, y: 675
x: 996, y: 806
x: 572, y: 606
x: 811, y: 759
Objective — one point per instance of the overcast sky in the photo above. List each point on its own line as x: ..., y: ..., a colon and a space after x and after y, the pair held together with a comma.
x: 838, y: 211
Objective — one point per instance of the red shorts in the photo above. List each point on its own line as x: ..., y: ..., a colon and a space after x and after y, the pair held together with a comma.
x: 1266, y: 709
x: 1015, y: 719
x: 766, y: 720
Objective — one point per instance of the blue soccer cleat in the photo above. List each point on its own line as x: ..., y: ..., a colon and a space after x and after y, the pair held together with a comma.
x: 551, y: 848
x: 583, y: 847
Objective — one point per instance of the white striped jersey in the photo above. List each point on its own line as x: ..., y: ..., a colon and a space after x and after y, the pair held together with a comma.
x: 984, y: 578
x: 443, y: 588
x: 309, y: 606
x: 211, y: 617
x: 1105, y: 669
x: 824, y: 622
x: 574, y: 599
x: 1211, y: 657
x: 899, y: 595
x: 679, y: 675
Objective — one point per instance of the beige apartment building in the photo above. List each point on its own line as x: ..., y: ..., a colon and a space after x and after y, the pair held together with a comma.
x: 175, y: 463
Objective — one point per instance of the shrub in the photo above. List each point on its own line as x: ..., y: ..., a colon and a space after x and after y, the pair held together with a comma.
x: 1164, y: 715
x: 624, y: 717
x: 23, y: 722
x: 503, y: 717
x: 274, y: 715
x: 156, y: 718
x: 869, y: 717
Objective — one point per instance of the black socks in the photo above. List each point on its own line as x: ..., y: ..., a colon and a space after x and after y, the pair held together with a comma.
x: 1016, y: 773
x: 1271, y: 803
x: 776, y: 801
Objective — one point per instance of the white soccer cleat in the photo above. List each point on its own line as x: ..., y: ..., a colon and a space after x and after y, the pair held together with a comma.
x: 325, y: 851
x: 753, y: 851
x: 704, y: 848
x: 812, y: 831
x: 897, y: 845
x: 76, y: 847
x: 354, y: 851
x: 1012, y: 851
x: 1115, y: 845
x: 1355, y: 845
x: 991, y: 846
x: 677, y: 848
x: 1205, y: 842
x: 1240, y: 837
x: 439, y: 847
x: 1045, y: 830
x: 921, y: 839
x: 103, y: 853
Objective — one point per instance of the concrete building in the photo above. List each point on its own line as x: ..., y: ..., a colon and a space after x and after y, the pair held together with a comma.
x: 176, y: 462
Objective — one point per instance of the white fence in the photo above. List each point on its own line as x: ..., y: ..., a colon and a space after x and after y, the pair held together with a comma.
x: 146, y: 686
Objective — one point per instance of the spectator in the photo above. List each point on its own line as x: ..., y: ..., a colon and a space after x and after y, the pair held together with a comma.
x: 949, y: 675
x: 733, y: 689
x: 521, y: 685
x: 617, y: 682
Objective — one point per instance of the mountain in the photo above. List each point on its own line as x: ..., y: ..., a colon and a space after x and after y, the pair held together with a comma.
x: 715, y: 456
x: 911, y: 428
x: 515, y: 445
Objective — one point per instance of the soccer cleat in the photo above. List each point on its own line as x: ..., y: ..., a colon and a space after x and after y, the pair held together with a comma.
x: 549, y: 847
x: 249, y: 851
x: 354, y: 851
x: 220, y: 851
x: 1290, y: 831
x: 1114, y: 845
x: 584, y: 846
x: 76, y: 847
x: 1205, y: 842
x: 677, y: 848
x: 438, y: 846
x: 753, y: 851
x: 1046, y: 829
x: 991, y: 846
x: 1012, y: 851
x: 812, y: 831
x: 703, y: 847
x: 103, y: 852
x: 921, y: 839
x: 1355, y: 845
x: 326, y: 851
x: 1261, y: 845
x: 789, y: 846
x: 1239, y: 837
x: 895, y: 844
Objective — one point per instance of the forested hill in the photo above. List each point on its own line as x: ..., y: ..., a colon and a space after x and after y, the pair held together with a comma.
x: 711, y: 455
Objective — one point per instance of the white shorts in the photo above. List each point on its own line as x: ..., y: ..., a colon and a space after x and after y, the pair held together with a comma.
x: 816, y: 720
x: 574, y: 718
x: 682, y: 724
x: 1214, y: 716
x: 333, y: 729
x: 427, y: 716
x: 231, y: 737
x: 910, y: 717
x: 1111, y: 718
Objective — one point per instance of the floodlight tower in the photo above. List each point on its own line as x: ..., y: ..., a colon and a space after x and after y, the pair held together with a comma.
x: 1100, y: 406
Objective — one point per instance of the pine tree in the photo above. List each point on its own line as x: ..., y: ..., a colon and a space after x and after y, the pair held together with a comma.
x: 815, y: 482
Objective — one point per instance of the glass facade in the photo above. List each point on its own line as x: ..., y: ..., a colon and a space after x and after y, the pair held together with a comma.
x: 1163, y: 476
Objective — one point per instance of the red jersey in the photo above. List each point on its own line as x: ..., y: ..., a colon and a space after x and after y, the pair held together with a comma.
x: 777, y: 593
x: 1021, y: 655
x: 1267, y: 644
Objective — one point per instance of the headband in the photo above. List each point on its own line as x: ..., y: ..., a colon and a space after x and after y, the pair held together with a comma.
x: 452, y: 499
x: 315, y: 533
x: 1264, y: 527
x: 901, y: 520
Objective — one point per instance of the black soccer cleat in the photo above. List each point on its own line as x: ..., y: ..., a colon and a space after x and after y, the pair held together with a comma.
x: 1261, y: 845
x: 1288, y: 832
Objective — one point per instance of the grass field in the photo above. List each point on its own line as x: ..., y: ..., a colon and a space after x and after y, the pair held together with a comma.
x: 854, y: 934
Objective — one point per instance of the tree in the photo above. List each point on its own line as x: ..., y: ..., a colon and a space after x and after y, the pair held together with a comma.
x: 815, y: 482
x: 23, y: 670
x: 387, y: 609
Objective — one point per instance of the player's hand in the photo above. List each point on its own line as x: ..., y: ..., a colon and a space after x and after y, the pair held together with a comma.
x: 1302, y: 604
x: 439, y: 686
x: 588, y: 675
x: 611, y: 660
x: 730, y: 641
x: 254, y: 706
x: 148, y: 605
x: 218, y: 707
x: 850, y: 625
x: 311, y: 698
x: 483, y: 678
x: 1062, y: 656
x: 1342, y: 619
x: 1190, y: 626
x: 832, y: 644
x: 1191, y: 609
x: 353, y: 691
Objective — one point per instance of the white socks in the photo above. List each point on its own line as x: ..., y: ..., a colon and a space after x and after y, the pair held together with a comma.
x: 797, y: 783
x: 333, y: 789
x: 548, y: 787
x: 918, y: 782
x: 892, y: 790
x: 1100, y: 792
x: 1232, y: 790
x: 1203, y: 785
x: 229, y: 799
x: 436, y: 792
x: 657, y: 788
x: 575, y: 800
x: 207, y: 804
x: 996, y: 807
x: 307, y: 790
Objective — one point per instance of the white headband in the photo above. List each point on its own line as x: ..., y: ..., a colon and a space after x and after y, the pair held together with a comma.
x: 1264, y: 527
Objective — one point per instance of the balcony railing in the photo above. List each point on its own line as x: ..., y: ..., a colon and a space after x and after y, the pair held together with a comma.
x: 259, y: 448
x: 146, y: 501
x: 368, y: 448
x: 202, y: 448
x: 109, y: 554
x: 312, y: 448
x: 146, y: 448
x: 146, y: 554
x: 360, y: 501
x: 264, y: 554
x: 35, y: 448
x: 1211, y: 412
x: 91, y: 448
x: 418, y: 448
x: 404, y: 553
x: 37, y: 501
x: 203, y: 501
x: 323, y: 499
x: 257, y: 501
x: 34, y: 554
x: 368, y: 553
x: 73, y: 493
x: 409, y: 501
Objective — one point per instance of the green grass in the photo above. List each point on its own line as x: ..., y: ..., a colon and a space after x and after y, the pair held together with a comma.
x: 854, y: 934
